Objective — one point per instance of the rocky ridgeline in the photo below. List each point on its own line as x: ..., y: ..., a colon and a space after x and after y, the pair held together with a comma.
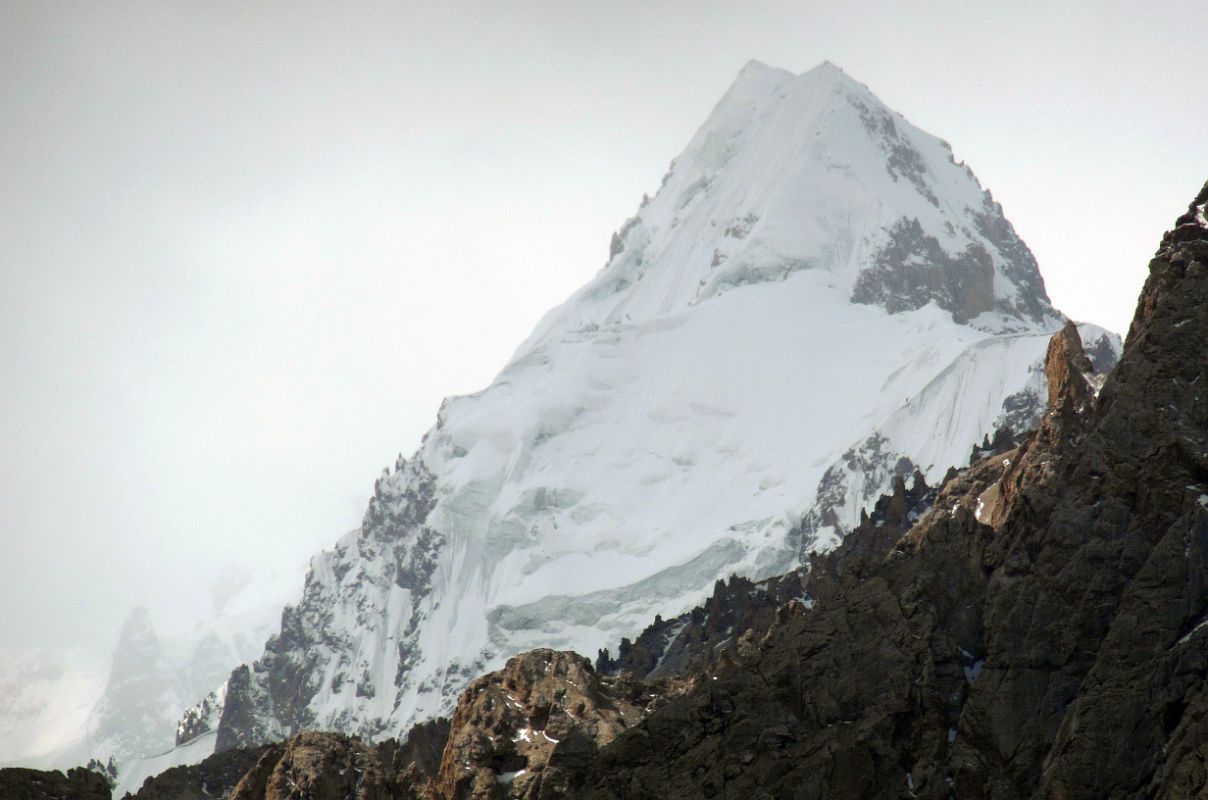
x: 531, y: 729
x: 312, y: 765
x: 215, y: 777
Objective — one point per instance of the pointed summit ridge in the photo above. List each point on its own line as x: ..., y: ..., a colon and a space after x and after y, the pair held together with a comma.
x: 830, y: 69
x: 755, y: 66
x: 812, y: 173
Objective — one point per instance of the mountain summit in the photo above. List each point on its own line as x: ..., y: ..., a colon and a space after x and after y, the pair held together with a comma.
x: 817, y: 300
x: 813, y: 173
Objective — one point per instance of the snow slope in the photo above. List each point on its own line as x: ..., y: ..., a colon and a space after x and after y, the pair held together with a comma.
x: 813, y: 173
x: 817, y: 297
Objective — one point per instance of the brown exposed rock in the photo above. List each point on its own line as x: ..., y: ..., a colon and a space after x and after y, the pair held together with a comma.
x: 312, y: 766
x: 1065, y: 367
x: 1068, y: 373
x: 324, y: 766
x: 533, y: 728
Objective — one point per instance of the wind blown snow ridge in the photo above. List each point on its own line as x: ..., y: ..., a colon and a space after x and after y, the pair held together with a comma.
x: 813, y: 172
x: 817, y: 298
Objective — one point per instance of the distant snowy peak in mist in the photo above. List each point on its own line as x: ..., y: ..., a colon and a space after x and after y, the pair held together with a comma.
x: 60, y: 709
x: 812, y: 172
x: 816, y: 300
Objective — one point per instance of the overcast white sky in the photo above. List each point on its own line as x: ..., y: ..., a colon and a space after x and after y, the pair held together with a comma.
x: 246, y: 248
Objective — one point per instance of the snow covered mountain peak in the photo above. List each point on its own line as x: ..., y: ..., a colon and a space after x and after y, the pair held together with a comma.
x: 818, y: 299
x: 812, y: 172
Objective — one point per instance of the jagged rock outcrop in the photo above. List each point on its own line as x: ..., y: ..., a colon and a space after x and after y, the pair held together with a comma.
x: 322, y: 766
x: 697, y: 638
x: 245, y: 705
x: 1004, y: 439
x: 1065, y: 367
x: 533, y: 728
x: 913, y: 269
x: 32, y: 784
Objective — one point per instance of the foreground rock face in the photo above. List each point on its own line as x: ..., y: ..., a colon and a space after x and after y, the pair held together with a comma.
x: 311, y: 765
x: 322, y: 766
x: 534, y: 727
x: 33, y: 784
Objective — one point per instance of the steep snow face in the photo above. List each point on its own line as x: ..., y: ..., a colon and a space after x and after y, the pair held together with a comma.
x: 813, y: 173
x: 816, y: 299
